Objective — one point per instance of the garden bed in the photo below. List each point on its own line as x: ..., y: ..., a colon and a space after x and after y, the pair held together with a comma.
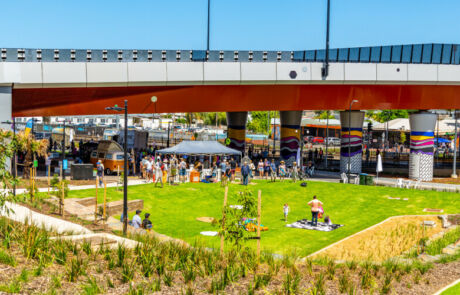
x: 388, y: 239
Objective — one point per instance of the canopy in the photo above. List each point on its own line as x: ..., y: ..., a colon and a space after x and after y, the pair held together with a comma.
x: 199, y: 148
x: 441, y: 140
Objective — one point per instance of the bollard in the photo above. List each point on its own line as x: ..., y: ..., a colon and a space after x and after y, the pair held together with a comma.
x: 95, y: 201
x: 49, y: 172
x: 61, y: 201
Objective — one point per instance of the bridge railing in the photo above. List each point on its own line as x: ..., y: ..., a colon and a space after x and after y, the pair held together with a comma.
x: 415, y: 53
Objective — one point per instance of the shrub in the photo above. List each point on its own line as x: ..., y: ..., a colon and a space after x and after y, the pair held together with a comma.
x: 6, y: 258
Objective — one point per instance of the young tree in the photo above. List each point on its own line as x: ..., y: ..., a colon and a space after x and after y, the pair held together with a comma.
x: 7, y: 149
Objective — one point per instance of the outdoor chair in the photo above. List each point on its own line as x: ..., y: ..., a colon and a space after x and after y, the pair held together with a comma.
x: 399, y: 183
x: 344, y: 177
x: 417, y: 183
x: 408, y: 184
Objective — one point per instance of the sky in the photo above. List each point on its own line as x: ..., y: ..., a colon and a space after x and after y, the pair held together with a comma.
x: 234, y: 25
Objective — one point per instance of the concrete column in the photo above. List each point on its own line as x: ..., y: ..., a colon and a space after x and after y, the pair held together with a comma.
x: 6, y: 111
x: 351, y: 137
x: 5, y: 106
x: 422, y: 125
x: 236, y: 130
x: 290, y: 135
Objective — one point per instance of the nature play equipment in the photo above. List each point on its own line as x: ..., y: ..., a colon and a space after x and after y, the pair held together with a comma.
x: 250, y: 224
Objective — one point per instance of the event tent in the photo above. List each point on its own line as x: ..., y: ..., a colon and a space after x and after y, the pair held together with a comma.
x: 199, y: 148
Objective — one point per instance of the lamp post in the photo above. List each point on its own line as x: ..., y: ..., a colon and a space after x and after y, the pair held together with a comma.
x: 327, y: 134
x: 454, y: 164
x: 14, y: 154
x: 125, y: 164
x: 349, y: 139
x: 63, y: 149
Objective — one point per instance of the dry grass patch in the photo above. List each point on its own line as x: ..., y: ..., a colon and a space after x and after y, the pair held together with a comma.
x: 389, y: 239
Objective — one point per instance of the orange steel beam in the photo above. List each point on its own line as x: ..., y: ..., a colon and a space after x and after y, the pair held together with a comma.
x: 209, y: 98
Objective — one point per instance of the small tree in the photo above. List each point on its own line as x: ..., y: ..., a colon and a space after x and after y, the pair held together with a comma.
x: 8, y: 146
x: 233, y: 230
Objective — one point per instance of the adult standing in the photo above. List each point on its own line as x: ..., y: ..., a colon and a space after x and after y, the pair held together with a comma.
x: 245, y: 170
x: 148, y: 169
x: 266, y: 168
x: 260, y: 167
x: 158, y: 173
x: 233, y: 166
x: 223, y: 168
x: 100, y: 172
x: 273, y: 171
x: 315, y: 205
x: 182, y: 170
x: 47, y: 162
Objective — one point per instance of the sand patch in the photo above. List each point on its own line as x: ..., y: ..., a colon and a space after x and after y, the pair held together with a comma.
x: 206, y: 219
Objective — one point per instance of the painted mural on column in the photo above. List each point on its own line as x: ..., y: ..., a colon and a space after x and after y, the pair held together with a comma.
x: 236, y: 130
x: 351, y: 145
x: 421, y: 145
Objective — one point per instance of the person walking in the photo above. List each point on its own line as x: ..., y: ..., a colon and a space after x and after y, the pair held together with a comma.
x: 266, y: 168
x: 253, y: 170
x: 315, y: 205
x: 273, y: 171
x: 245, y: 170
x: 282, y: 170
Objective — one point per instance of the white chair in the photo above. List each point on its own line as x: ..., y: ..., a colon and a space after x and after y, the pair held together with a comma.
x: 344, y: 177
x: 356, y: 179
x: 400, y: 183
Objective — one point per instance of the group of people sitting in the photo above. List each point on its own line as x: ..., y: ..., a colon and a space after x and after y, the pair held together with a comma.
x: 137, y: 221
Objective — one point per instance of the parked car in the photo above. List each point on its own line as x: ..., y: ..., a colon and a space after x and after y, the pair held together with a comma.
x: 317, y: 140
x: 308, y: 138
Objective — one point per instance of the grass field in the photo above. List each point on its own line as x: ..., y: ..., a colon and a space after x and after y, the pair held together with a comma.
x: 174, y: 209
x: 454, y: 290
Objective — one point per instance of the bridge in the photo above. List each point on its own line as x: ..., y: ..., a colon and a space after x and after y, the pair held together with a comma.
x: 51, y: 82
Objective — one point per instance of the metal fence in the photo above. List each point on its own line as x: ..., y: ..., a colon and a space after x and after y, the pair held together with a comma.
x: 414, y: 53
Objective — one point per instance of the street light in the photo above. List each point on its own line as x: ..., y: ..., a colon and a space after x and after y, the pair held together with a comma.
x: 349, y: 139
x: 125, y: 163
x: 14, y: 153
x: 454, y: 164
x: 63, y: 147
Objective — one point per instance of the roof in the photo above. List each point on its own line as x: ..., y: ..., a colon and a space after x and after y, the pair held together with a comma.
x: 199, y: 148
x: 444, y: 126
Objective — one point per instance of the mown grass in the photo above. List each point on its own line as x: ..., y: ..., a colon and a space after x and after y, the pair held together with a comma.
x: 174, y: 209
x: 454, y: 290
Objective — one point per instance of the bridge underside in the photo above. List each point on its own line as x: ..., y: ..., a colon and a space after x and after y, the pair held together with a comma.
x: 231, y: 98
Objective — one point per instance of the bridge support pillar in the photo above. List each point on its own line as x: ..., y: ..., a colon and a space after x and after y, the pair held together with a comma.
x: 6, y: 102
x: 236, y: 130
x: 290, y: 135
x: 351, y: 141
x: 422, y: 125
x: 6, y: 112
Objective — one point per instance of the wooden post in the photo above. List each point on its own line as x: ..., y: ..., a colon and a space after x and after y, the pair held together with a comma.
x: 61, y: 203
x: 222, y: 238
x: 259, y: 209
x: 95, y: 201
x: 32, y: 174
x: 105, y: 201
x: 49, y: 172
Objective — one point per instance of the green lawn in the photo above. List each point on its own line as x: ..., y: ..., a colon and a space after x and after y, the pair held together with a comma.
x: 454, y: 290
x: 174, y: 209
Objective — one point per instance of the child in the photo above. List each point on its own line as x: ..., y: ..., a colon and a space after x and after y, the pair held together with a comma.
x: 286, y: 211
x: 327, y: 220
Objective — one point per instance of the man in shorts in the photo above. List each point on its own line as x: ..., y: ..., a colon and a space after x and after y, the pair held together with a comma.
x: 182, y: 170
x: 315, y: 205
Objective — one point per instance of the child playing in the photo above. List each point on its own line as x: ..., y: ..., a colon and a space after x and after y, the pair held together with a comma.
x: 286, y: 211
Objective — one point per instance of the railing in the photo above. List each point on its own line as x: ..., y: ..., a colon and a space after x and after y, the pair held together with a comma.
x: 417, y: 54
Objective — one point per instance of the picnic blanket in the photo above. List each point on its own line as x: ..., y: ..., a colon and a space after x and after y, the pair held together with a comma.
x: 306, y: 224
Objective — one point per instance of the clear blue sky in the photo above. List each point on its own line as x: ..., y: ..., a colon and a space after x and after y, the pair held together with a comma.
x: 235, y: 24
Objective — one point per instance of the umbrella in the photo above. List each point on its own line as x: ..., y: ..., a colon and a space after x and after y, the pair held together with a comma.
x: 379, y: 165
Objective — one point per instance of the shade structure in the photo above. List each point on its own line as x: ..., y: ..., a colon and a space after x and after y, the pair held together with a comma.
x: 199, y: 148
x: 441, y: 140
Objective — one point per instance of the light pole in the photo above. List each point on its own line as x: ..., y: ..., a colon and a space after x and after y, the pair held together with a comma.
x: 63, y: 149
x: 327, y: 134
x: 349, y: 139
x: 125, y: 164
x: 454, y: 165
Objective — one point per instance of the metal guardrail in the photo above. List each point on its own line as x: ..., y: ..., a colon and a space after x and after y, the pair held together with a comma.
x: 414, y: 53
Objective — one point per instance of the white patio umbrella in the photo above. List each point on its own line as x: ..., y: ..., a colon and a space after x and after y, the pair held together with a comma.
x: 379, y: 165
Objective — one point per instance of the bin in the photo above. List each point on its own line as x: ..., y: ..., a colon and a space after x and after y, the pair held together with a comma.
x: 82, y: 171
x: 369, y: 180
x: 362, y: 178
x: 195, y: 176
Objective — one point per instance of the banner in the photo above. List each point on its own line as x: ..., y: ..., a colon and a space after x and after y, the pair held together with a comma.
x: 29, y: 125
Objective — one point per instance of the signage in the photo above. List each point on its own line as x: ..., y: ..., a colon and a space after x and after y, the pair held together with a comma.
x: 35, y: 163
x: 64, y: 166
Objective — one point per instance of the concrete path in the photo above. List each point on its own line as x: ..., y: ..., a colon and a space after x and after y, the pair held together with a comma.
x: 23, y: 214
